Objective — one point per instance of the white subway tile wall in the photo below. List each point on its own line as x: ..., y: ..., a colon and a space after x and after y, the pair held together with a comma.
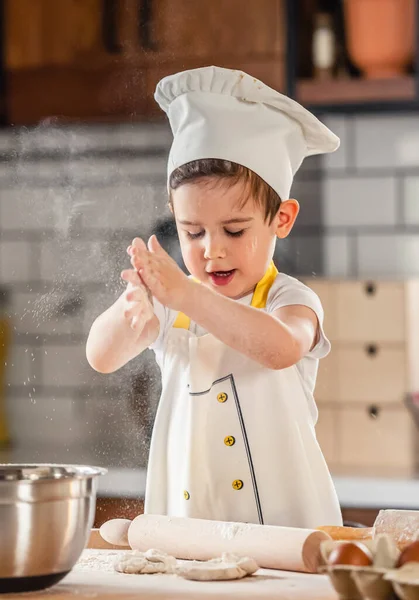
x: 385, y: 141
x: 15, y: 261
x: 340, y: 125
x: 77, y: 139
x: 20, y: 367
x: 72, y: 199
x: 38, y: 422
x: 77, y: 261
x: 337, y: 252
x: 411, y: 200
x: 355, y: 202
x: 392, y: 255
x: 27, y: 207
x: 371, y: 197
x: 308, y: 193
x: 47, y: 311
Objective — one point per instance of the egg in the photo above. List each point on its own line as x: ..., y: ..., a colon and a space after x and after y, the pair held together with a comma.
x: 351, y: 553
x: 409, y: 554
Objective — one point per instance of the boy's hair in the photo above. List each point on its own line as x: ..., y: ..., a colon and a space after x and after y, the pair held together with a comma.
x: 261, y: 193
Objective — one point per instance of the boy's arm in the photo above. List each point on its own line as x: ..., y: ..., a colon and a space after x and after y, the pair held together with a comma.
x: 276, y: 340
x: 112, y: 342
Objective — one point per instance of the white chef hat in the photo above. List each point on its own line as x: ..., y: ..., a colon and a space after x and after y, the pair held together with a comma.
x: 226, y: 114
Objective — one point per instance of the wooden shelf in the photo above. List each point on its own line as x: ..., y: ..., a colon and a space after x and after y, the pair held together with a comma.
x: 353, y: 91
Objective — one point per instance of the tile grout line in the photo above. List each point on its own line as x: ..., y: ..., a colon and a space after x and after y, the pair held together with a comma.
x: 400, y: 215
x: 353, y: 254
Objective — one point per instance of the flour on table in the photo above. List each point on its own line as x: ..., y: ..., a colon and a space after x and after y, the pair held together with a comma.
x: 97, y: 560
x: 150, y: 562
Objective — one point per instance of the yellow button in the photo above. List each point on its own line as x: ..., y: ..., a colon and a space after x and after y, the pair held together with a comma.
x: 229, y: 440
x: 186, y: 495
x: 237, y: 484
x: 222, y: 397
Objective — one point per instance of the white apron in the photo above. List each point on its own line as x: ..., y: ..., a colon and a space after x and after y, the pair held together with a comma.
x: 234, y: 440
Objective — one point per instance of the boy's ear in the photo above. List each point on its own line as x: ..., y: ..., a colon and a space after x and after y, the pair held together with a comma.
x: 287, y: 214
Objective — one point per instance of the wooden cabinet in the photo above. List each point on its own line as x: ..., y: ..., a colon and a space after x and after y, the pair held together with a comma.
x: 377, y: 437
x: 117, y: 508
x: 188, y: 34
x: 187, y: 28
x: 101, y: 59
x: 50, y: 33
x: 371, y: 372
x: 370, y: 311
x: 373, y: 369
x: 71, y: 60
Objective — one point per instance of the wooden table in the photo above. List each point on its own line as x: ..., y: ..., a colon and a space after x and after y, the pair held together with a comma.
x: 99, y: 584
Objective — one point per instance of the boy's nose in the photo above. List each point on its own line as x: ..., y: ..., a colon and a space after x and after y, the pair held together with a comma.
x: 214, y: 249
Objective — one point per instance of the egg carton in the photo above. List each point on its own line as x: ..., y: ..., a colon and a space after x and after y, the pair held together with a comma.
x: 405, y: 581
x: 380, y: 581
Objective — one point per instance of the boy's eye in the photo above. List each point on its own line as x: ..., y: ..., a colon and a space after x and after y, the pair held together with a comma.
x: 234, y: 233
x: 194, y: 236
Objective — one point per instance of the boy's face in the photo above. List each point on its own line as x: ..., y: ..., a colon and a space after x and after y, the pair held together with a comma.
x: 226, y: 245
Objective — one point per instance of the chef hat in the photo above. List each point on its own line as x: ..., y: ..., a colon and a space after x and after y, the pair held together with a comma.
x: 221, y: 113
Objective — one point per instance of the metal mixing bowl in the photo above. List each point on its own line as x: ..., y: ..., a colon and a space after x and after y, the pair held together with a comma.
x: 46, y: 513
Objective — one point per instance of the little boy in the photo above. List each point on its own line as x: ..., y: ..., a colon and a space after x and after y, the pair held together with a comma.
x: 238, y: 343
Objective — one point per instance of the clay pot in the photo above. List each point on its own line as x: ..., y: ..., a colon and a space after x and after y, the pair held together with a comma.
x: 380, y: 35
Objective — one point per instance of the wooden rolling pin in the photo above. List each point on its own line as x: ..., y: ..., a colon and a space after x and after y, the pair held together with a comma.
x: 272, y: 547
x: 401, y: 525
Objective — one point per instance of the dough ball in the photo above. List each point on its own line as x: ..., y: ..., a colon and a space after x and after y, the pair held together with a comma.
x: 227, y: 567
x: 146, y: 563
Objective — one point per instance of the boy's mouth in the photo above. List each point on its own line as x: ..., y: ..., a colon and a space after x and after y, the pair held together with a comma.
x: 221, y: 277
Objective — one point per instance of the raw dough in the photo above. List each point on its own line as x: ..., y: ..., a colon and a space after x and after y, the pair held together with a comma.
x: 229, y: 566
x: 150, y: 562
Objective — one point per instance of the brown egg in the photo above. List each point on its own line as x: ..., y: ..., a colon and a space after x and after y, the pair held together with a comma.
x: 409, y: 554
x: 351, y: 553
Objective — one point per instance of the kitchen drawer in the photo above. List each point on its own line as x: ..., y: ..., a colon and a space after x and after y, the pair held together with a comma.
x: 371, y: 372
x: 376, y: 436
x: 412, y: 334
x: 326, y: 292
x: 370, y: 312
x: 327, y: 433
x: 327, y: 383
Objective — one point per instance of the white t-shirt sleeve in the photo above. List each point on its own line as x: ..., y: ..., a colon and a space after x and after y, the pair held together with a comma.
x: 288, y: 291
x: 166, y: 318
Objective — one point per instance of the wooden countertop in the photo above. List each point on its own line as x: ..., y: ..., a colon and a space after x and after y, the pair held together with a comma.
x: 94, y: 577
x: 265, y: 585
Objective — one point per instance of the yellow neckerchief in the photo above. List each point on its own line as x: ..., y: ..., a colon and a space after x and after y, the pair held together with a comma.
x: 260, y: 296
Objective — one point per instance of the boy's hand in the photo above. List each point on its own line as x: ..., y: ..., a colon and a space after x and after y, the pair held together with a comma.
x: 138, y: 309
x: 160, y: 273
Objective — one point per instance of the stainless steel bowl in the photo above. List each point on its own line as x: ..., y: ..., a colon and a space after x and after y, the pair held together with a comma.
x: 46, y: 513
